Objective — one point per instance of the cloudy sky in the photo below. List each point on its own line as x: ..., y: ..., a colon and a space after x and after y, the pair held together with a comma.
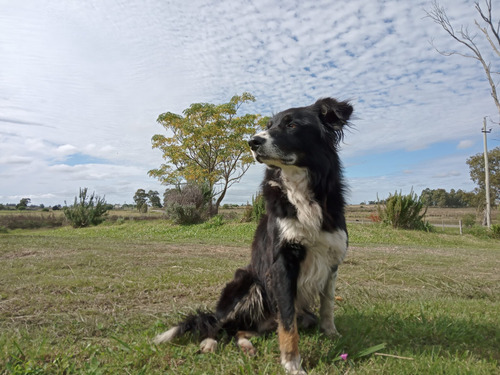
x: 83, y: 82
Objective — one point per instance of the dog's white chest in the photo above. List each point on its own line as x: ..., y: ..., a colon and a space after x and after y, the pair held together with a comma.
x: 324, y: 249
x: 328, y: 251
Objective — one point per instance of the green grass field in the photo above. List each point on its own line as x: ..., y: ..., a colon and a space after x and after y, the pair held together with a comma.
x: 89, y: 301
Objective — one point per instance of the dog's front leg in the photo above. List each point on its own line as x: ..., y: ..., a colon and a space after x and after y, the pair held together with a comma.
x: 285, y: 272
x: 327, y: 300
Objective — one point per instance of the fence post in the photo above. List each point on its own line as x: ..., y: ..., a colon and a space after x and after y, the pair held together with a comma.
x: 460, y: 224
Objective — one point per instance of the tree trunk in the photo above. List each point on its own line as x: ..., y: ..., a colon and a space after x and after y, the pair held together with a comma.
x: 219, y: 201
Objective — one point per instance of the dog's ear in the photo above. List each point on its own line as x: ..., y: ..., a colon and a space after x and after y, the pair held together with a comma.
x: 332, y: 113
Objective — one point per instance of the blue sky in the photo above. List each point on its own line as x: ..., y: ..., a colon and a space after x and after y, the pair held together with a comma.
x: 83, y: 82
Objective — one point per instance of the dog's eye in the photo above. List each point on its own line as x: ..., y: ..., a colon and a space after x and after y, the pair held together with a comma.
x: 291, y: 125
x: 269, y: 124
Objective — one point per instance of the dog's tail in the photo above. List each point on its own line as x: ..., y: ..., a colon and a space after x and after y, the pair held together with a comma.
x: 202, y: 323
x: 243, y: 304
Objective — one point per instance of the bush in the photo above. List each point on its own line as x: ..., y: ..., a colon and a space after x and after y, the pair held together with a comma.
x: 187, y: 204
x: 86, y: 212
x: 403, y: 211
x: 495, y: 230
x: 256, y: 210
x: 468, y: 220
x: 483, y: 232
x: 214, y: 222
x: 183, y: 214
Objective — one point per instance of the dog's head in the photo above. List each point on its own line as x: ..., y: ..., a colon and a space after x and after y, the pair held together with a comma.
x: 293, y: 136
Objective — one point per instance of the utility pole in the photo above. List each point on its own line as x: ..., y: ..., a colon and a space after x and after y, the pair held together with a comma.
x: 487, y: 176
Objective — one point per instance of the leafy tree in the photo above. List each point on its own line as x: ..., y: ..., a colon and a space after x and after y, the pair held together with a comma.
x: 140, y: 199
x: 208, y: 145
x: 23, y: 204
x: 154, y: 199
x: 476, y: 170
x: 87, y: 211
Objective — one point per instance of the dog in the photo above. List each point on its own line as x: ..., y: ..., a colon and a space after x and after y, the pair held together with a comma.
x: 299, y: 243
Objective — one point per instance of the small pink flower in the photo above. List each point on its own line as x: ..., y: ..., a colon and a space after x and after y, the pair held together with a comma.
x: 343, y: 357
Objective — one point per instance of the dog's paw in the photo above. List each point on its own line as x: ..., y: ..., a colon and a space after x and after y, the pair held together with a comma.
x: 330, y: 330
x: 293, y: 367
x: 292, y: 370
x: 208, y: 346
x: 246, y: 346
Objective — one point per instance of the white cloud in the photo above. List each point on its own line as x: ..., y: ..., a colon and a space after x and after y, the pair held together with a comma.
x: 92, y: 77
x: 14, y: 159
x: 66, y: 150
x: 464, y: 144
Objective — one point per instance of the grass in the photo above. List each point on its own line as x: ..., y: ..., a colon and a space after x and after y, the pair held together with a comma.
x: 90, y: 300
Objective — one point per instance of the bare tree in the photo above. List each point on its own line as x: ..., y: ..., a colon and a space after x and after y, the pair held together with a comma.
x: 489, y: 28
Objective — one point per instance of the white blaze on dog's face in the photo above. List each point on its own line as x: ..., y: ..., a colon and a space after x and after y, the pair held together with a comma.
x: 292, y: 136
x: 265, y: 150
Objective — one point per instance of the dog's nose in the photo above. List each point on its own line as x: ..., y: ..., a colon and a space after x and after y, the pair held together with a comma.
x: 255, y: 142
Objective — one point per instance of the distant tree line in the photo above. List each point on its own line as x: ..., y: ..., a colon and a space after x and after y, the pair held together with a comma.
x: 453, y: 198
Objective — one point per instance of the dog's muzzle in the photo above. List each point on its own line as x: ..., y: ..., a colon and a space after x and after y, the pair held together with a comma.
x: 256, y: 142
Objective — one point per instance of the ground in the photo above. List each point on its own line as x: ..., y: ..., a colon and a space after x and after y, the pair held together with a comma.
x: 91, y: 301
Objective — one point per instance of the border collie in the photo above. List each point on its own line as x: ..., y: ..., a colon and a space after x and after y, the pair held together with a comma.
x: 299, y: 243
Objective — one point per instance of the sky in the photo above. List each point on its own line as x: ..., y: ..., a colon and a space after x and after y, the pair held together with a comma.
x: 82, y: 84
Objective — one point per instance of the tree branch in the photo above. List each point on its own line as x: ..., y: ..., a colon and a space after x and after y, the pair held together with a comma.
x: 439, y: 16
x: 488, y: 19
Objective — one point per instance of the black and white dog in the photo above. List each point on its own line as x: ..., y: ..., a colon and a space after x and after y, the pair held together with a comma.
x: 298, y: 245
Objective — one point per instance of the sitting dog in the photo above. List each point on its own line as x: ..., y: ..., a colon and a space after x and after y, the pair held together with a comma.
x: 299, y: 243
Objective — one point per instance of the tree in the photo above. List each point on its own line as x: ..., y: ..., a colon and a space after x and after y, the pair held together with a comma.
x: 154, y: 199
x: 208, y: 145
x: 476, y: 170
x: 469, y: 47
x: 441, y: 198
x: 23, y: 204
x: 140, y: 199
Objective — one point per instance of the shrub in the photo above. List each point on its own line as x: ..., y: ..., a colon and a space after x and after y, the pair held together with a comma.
x: 214, y: 222
x: 256, y: 210
x: 495, y: 230
x: 403, y: 211
x: 183, y: 214
x: 87, y: 211
x: 187, y: 204
x: 468, y: 220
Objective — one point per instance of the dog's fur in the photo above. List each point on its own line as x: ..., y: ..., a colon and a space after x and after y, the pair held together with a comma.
x: 299, y: 243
